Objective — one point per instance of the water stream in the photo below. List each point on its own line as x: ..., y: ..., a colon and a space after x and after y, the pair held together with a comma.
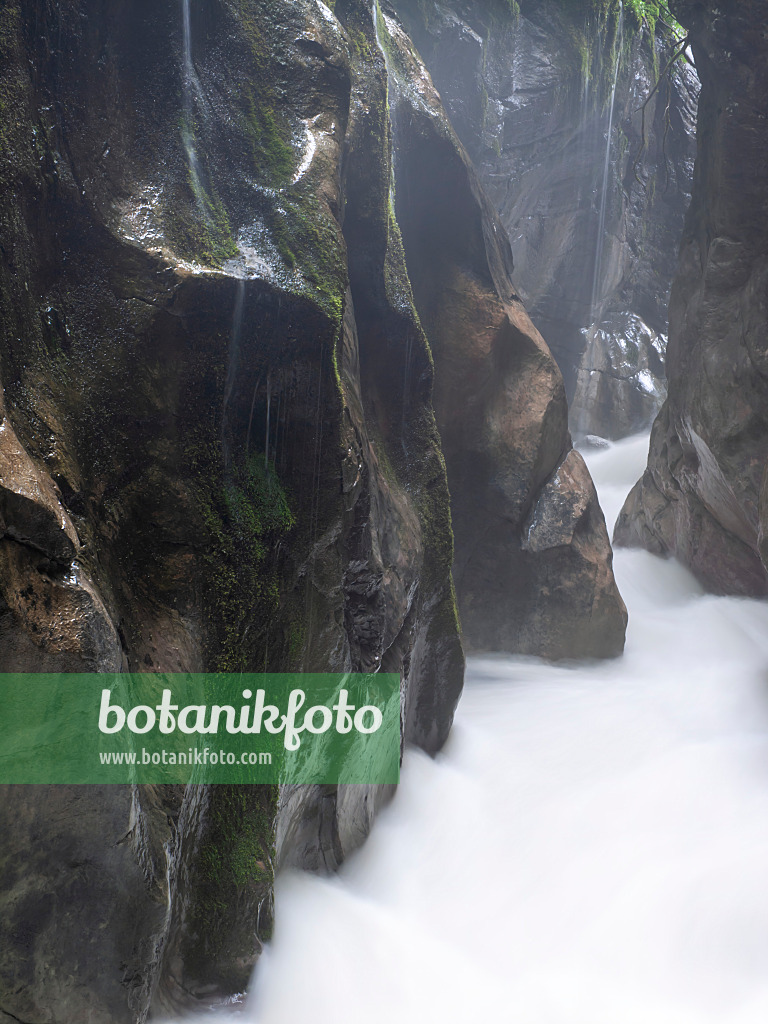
x: 192, y: 96
x: 606, y: 183
x: 590, y: 847
x: 233, y: 364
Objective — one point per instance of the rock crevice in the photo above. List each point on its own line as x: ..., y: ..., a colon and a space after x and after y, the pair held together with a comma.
x: 546, y: 98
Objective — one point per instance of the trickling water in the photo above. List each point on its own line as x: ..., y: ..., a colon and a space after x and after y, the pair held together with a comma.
x: 250, y: 415
x: 232, y: 363
x: 579, y: 156
x: 590, y: 848
x: 269, y: 411
x: 191, y: 91
x: 381, y: 25
x: 376, y: 14
x: 606, y: 168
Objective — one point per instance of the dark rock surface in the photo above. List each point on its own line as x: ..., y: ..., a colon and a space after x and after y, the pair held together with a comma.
x: 532, y: 99
x: 208, y: 457
x: 220, y: 452
x: 703, y: 495
x: 500, y: 404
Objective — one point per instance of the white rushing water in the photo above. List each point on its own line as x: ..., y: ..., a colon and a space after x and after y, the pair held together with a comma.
x: 590, y: 848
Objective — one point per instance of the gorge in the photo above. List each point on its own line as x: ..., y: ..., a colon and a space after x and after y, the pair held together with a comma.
x: 302, y: 306
x: 619, y: 830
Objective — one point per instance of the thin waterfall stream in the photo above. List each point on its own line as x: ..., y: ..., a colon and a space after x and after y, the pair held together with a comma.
x: 590, y: 846
x: 606, y: 168
x: 232, y: 363
x: 192, y: 96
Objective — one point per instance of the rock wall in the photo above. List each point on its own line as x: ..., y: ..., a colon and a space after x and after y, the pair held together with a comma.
x: 218, y: 450
x: 545, y: 96
x: 533, y: 560
x: 203, y: 463
x: 703, y: 495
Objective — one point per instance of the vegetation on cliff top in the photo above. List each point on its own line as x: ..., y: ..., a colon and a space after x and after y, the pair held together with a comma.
x: 641, y: 12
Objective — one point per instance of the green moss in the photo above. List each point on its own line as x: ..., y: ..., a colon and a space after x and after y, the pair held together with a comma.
x: 445, y: 620
x: 198, y: 225
x: 272, y: 155
x: 232, y: 878
x: 593, y: 29
x: 501, y: 11
x: 637, y: 12
x: 243, y: 517
x: 257, y: 504
x: 396, y: 280
x: 436, y: 522
x: 297, y: 634
x: 426, y: 479
x: 484, y: 104
x: 649, y: 11
x: 310, y: 240
x: 240, y: 843
x: 263, y: 117
x: 361, y: 44
x: 249, y: 16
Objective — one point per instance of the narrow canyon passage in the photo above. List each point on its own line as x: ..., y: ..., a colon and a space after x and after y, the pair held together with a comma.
x: 303, y: 306
x: 590, y: 846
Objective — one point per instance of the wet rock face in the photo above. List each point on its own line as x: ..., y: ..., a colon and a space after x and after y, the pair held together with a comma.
x: 620, y: 383
x: 221, y: 450
x: 51, y: 616
x: 702, y: 497
x: 209, y: 456
x: 532, y: 98
x: 500, y: 404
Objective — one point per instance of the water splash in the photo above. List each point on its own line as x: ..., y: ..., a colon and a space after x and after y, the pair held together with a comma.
x: 310, y: 148
x: 606, y: 170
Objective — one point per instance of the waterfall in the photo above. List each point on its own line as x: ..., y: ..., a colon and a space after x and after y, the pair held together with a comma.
x: 583, y: 146
x: 383, y: 44
x: 192, y: 95
x: 606, y: 169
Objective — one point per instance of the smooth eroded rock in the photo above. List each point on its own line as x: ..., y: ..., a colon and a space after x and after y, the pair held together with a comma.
x: 499, y: 400
x: 594, y: 217
x: 701, y: 498
x: 206, y: 330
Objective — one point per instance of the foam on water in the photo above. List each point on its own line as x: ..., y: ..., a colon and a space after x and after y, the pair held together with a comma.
x: 590, y: 848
